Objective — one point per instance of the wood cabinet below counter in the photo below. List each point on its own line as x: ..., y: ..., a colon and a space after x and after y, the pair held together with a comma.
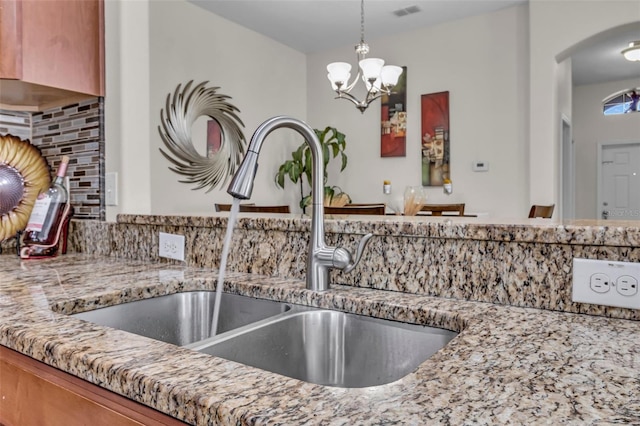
x: 52, y: 53
x: 33, y: 393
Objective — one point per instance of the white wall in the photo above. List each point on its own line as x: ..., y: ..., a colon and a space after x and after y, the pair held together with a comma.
x: 590, y: 127
x: 482, y: 62
x: 563, y: 101
x: 555, y: 28
x: 127, y: 137
x: 506, y: 94
x: 264, y: 78
x: 152, y: 46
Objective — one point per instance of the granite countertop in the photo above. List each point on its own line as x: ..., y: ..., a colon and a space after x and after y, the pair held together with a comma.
x: 507, y: 365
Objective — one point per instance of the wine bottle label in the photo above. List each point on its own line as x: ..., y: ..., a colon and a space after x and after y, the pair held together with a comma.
x: 38, y: 214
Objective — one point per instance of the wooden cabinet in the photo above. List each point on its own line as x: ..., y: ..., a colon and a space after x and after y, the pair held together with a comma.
x: 33, y: 393
x: 51, y: 52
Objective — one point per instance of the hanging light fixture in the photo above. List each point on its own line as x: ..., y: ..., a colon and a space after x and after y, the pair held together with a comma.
x: 632, y: 53
x: 379, y: 78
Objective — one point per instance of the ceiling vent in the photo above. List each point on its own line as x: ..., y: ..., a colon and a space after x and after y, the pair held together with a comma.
x: 406, y: 11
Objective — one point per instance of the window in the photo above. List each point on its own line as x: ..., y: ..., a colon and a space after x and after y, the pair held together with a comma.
x: 622, y: 103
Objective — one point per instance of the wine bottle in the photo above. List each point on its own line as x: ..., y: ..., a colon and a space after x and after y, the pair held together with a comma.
x: 49, y: 218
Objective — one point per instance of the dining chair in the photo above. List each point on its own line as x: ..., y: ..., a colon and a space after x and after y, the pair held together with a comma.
x: 439, y: 209
x: 541, y: 211
x: 252, y: 208
x: 227, y: 207
x: 363, y: 209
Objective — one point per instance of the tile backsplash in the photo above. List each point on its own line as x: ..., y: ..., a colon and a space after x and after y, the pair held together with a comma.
x: 75, y: 130
x: 17, y: 123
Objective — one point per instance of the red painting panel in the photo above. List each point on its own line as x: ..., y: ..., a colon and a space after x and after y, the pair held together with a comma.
x: 435, y: 139
x: 393, y: 120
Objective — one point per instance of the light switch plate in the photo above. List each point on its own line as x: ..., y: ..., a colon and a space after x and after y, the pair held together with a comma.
x: 480, y: 166
x: 111, y: 189
x: 606, y: 282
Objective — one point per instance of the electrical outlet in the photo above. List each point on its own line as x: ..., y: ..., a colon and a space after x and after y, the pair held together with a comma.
x: 171, y: 246
x: 605, y: 282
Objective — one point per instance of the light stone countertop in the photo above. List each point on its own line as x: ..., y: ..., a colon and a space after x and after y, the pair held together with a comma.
x: 507, y: 366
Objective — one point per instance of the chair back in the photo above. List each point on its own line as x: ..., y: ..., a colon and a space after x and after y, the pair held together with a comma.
x: 365, y: 209
x: 541, y: 211
x: 226, y: 207
x: 438, y: 209
x: 252, y: 208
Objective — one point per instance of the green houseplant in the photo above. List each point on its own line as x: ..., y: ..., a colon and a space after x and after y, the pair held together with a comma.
x: 333, y: 145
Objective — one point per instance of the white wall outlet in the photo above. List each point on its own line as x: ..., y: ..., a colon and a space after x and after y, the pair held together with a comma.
x: 606, y: 282
x: 171, y: 246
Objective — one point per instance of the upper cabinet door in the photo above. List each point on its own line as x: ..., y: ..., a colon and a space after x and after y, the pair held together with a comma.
x: 52, y: 52
x: 10, y: 39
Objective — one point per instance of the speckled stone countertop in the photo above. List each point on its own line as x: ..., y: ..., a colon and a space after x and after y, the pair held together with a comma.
x: 508, y: 365
x: 596, y: 232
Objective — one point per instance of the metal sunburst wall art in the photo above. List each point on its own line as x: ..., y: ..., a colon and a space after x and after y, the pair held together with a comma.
x: 182, y: 110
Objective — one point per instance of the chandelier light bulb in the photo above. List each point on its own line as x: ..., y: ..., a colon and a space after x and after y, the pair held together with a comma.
x: 339, y: 73
x: 371, y: 68
x: 390, y: 75
x: 632, y: 53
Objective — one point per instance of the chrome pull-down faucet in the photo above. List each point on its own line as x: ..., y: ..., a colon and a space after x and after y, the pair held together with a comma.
x: 321, y: 257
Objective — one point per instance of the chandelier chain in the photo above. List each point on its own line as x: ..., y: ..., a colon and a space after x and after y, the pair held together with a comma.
x: 361, y: 21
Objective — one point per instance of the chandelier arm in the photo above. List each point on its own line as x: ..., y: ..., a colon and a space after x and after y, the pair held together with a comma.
x: 371, y: 98
x: 351, y: 98
x: 353, y: 83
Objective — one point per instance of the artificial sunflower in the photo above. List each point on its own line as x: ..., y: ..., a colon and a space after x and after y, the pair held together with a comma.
x: 24, y: 173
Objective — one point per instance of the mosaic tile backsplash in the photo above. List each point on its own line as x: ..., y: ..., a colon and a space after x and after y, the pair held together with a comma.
x: 77, y: 131
x: 17, y: 123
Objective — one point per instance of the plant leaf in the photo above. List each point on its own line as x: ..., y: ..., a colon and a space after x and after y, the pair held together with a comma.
x: 294, y: 172
x: 280, y: 179
x: 307, y: 165
x: 325, y: 156
x: 297, y: 154
x: 334, y: 133
x: 305, y: 201
x: 336, y: 149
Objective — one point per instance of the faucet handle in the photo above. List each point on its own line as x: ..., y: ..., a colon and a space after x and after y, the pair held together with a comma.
x: 342, y: 258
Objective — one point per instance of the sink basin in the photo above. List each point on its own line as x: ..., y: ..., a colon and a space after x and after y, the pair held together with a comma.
x: 183, y: 318
x: 315, y: 345
x: 331, y: 348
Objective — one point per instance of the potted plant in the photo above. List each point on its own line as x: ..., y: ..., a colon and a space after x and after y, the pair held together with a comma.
x: 333, y: 145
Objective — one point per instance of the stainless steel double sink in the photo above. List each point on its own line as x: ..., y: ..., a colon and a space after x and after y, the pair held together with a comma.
x: 315, y: 345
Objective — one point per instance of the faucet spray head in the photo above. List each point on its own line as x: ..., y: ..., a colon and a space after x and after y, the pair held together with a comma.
x: 241, y: 185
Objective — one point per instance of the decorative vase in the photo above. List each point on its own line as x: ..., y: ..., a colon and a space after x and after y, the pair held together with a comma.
x: 414, y: 199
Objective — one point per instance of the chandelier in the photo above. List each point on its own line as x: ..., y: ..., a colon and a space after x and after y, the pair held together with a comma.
x: 632, y: 53
x: 379, y: 79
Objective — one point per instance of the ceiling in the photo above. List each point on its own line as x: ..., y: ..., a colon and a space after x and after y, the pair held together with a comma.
x: 601, y: 60
x: 311, y: 26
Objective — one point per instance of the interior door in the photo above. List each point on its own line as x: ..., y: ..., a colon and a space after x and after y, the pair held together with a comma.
x: 619, y: 189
